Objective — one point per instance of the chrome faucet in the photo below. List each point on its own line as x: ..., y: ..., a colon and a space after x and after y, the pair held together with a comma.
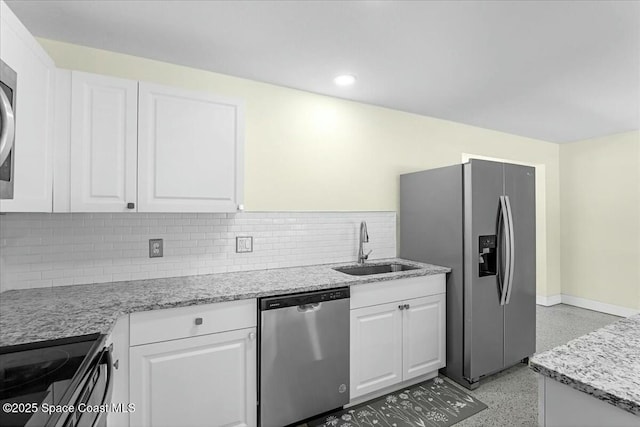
x: 364, y: 238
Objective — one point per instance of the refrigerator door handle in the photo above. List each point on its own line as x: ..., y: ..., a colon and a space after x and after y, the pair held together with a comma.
x: 7, y: 127
x: 511, y: 244
x: 503, y: 231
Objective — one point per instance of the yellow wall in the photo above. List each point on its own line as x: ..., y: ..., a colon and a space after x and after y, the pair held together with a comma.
x: 600, y: 198
x: 311, y: 152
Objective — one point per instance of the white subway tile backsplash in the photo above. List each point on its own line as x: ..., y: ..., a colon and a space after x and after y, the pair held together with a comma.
x: 42, y: 250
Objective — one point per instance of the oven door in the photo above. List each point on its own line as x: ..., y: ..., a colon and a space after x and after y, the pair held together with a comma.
x: 8, y: 85
x: 92, y: 397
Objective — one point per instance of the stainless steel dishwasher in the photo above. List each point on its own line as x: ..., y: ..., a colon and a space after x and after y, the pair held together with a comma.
x: 304, y: 355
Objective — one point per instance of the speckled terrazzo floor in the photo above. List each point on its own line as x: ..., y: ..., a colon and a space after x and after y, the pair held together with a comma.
x: 512, y: 395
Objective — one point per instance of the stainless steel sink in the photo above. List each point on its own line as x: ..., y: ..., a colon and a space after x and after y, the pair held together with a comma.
x: 366, y: 270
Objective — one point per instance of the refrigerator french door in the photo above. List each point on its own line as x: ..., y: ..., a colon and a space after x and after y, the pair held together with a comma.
x: 478, y: 219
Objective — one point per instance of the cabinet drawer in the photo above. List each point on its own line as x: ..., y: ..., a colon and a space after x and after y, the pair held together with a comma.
x: 369, y: 294
x: 175, y: 323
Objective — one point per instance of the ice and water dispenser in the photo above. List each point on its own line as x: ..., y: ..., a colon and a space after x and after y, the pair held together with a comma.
x: 487, y: 265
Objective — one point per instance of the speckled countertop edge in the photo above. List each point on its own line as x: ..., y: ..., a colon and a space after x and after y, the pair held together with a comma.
x: 604, y: 364
x: 31, y: 315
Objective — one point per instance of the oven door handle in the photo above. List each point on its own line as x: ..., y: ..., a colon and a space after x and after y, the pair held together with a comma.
x: 7, y: 127
x: 106, y: 360
x: 76, y: 419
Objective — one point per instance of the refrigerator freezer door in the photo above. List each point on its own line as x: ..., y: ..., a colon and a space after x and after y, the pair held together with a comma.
x: 520, y: 311
x: 431, y: 223
x: 483, y: 314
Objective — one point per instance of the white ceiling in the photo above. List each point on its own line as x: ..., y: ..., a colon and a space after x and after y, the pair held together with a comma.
x: 554, y: 70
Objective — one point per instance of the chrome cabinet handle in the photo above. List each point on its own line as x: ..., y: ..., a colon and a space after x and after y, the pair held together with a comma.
x: 407, y: 306
x: 7, y: 127
x: 252, y: 336
x: 401, y: 307
x: 198, y: 321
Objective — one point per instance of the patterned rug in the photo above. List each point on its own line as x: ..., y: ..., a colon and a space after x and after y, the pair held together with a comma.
x: 433, y: 403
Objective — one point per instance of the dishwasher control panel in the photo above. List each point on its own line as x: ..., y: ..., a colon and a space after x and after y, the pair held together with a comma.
x: 339, y: 294
x: 282, y: 301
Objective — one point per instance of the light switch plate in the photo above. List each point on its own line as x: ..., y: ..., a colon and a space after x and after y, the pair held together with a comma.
x: 244, y: 244
x: 155, y: 248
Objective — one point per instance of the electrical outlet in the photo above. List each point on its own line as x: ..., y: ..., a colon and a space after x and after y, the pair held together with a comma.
x: 155, y: 248
x: 244, y: 244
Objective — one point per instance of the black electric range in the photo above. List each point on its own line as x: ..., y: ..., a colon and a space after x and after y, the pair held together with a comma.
x: 45, y: 383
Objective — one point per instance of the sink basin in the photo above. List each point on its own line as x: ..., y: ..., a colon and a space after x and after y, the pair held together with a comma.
x: 366, y: 270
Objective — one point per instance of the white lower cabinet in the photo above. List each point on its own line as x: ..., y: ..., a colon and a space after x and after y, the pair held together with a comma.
x: 376, y: 348
x: 423, y: 336
x: 207, y: 380
x: 396, y: 340
x: 194, y: 366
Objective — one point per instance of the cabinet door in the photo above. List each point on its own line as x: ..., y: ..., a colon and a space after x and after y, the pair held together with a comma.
x: 190, y: 150
x: 103, y: 143
x: 423, y: 335
x: 206, y: 381
x: 32, y: 154
x: 376, y: 348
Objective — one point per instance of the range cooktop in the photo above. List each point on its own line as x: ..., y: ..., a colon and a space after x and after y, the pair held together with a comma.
x: 37, y: 373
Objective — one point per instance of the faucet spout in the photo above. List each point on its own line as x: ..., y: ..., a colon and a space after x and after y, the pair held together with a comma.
x: 364, y: 238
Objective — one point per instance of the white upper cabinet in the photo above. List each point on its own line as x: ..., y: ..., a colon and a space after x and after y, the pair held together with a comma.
x: 190, y: 151
x: 131, y: 146
x: 34, y: 113
x: 103, y: 143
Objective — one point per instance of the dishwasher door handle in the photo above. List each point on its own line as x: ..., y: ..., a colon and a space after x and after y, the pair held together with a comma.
x: 308, y: 308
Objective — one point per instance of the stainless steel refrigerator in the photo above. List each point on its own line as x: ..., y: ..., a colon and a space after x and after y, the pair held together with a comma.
x: 479, y: 219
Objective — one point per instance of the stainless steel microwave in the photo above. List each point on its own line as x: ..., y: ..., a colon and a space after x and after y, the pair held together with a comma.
x: 8, y: 87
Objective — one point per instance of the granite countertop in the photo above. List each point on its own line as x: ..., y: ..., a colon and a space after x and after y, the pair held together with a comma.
x: 48, y: 313
x: 604, y: 363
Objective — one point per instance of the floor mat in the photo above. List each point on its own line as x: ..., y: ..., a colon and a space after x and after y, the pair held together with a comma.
x: 433, y: 403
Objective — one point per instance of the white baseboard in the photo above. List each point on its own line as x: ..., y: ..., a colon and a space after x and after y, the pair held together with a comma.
x: 602, y: 307
x: 548, y: 301
x: 589, y: 304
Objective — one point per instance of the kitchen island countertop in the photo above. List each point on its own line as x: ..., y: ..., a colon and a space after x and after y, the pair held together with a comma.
x: 48, y: 313
x: 604, y: 364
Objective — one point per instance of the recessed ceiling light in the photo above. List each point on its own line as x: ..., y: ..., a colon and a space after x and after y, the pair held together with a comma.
x: 345, y: 80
